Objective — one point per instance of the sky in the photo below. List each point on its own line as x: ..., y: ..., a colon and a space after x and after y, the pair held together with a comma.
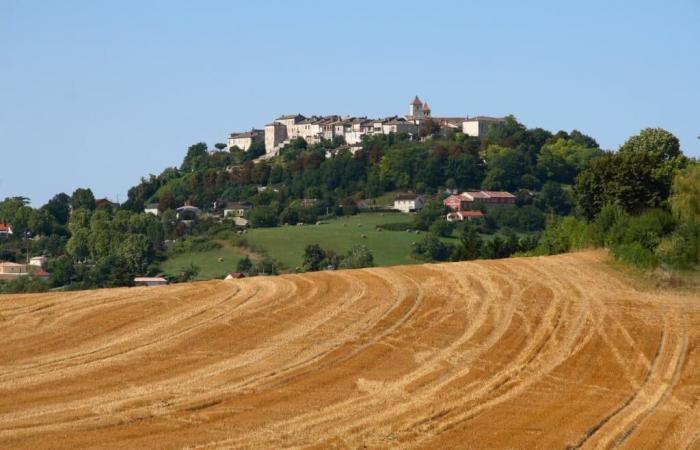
x: 99, y: 94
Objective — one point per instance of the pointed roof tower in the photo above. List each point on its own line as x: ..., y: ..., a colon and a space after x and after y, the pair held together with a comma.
x: 416, y: 101
x: 426, y: 108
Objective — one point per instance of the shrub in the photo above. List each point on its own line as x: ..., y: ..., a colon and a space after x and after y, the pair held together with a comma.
x: 681, y: 250
x: 357, y: 257
x: 635, y: 254
x: 565, y: 234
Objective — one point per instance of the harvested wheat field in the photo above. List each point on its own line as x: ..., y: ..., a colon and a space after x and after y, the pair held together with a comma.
x: 553, y: 353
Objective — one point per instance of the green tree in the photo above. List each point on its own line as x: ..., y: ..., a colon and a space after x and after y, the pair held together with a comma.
x: 357, y: 257
x: 563, y: 159
x: 59, y: 207
x: 313, y: 257
x: 553, y: 198
x: 431, y: 248
x: 196, y: 157
x: 136, y: 252
x: 638, y: 177
x: 244, y: 265
x: 189, y: 273
x: 470, y: 244
x: 263, y: 216
x: 505, y: 168
x: 442, y: 227
x: 685, y: 197
x: 82, y: 198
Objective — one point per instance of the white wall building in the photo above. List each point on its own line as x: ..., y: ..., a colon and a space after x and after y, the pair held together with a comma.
x: 479, y: 126
x: 245, y: 140
x: 408, y: 202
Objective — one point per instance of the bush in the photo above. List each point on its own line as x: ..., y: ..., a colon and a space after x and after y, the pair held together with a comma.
x: 357, y: 257
x: 635, y: 254
x: 681, y: 250
x: 400, y: 226
x: 442, y: 227
x: 564, y: 234
x: 526, y: 218
x: 646, y: 229
x: 431, y: 248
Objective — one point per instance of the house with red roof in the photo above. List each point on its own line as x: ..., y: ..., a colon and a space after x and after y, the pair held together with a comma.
x: 490, y: 199
x: 5, y: 229
x: 460, y: 216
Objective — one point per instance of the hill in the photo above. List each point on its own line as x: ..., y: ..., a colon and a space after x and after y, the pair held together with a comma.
x: 549, y: 352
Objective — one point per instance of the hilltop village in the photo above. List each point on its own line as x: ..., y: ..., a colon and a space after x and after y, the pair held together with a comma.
x: 314, y: 129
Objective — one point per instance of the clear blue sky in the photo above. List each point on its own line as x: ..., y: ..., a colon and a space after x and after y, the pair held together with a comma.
x: 98, y: 94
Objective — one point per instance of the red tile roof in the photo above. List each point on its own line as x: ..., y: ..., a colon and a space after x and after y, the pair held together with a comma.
x: 5, y: 228
x: 471, y: 214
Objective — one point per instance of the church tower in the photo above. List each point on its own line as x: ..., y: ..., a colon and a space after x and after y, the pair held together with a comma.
x: 416, y: 109
x: 426, y: 109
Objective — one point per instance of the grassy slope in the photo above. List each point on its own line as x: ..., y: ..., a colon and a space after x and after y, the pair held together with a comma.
x: 286, y: 244
x: 208, y: 262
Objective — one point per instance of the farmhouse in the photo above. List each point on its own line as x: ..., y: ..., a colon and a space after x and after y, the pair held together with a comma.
x: 408, y: 202
x: 234, y: 276
x: 10, y: 270
x: 460, y: 216
x: 105, y: 201
x: 38, y: 261
x: 150, y: 281
x: 490, y: 199
x: 245, y: 140
x: 5, y: 230
x: 188, y: 212
x: 236, y: 209
x: 152, y: 208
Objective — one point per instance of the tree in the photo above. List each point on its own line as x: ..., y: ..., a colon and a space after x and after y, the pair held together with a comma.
x: 442, y: 227
x: 685, y: 197
x: 167, y: 201
x: 313, y: 256
x: 357, y: 257
x: 563, y: 159
x: 553, y: 198
x: 59, y: 207
x: 244, y: 265
x: 220, y: 146
x: 196, y: 157
x: 136, y: 252
x: 431, y: 248
x: 77, y: 246
x: 189, y: 273
x: 639, y: 176
x: 82, y: 199
x: 430, y: 212
x: 263, y: 216
x: 470, y: 244
x: 505, y: 168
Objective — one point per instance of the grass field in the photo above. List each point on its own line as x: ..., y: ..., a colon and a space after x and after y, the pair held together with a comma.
x: 286, y: 244
x: 207, y: 261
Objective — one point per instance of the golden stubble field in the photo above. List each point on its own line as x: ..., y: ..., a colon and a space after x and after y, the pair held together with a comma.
x: 553, y: 353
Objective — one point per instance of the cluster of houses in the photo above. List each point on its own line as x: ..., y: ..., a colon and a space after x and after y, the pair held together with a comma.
x: 12, y: 270
x: 235, y: 211
x: 314, y: 129
x: 464, y: 206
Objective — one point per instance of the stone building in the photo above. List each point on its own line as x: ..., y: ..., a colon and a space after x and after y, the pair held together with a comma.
x: 314, y: 129
x: 245, y: 140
